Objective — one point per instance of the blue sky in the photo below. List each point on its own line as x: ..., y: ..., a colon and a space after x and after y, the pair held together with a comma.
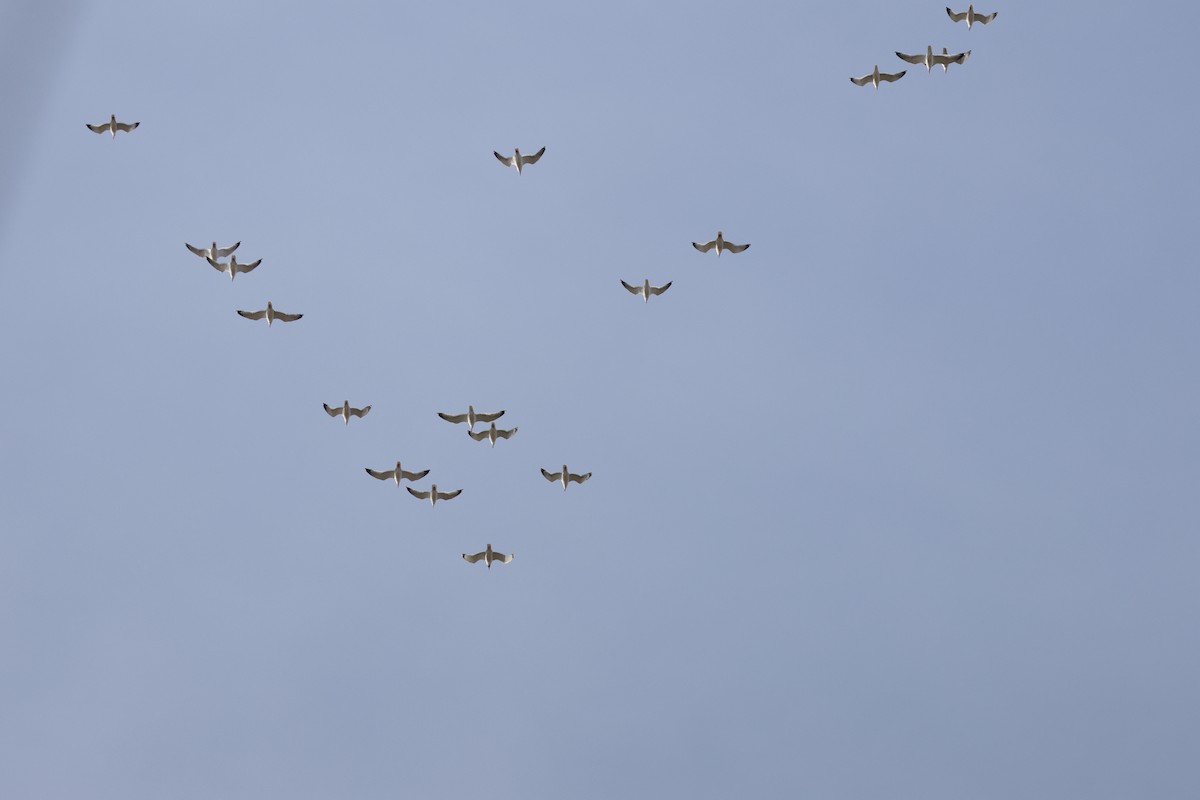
x: 899, y: 502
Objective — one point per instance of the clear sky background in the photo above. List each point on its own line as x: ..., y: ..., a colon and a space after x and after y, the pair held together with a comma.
x: 901, y: 502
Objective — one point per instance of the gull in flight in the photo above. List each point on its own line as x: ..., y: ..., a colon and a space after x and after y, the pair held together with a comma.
x: 471, y: 417
x: 271, y: 314
x: 564, y: 476
x: 232, y: 266
x: 721, y: 244
x: 396, y: 474
x: 489, y: 555
x: 345, y: 412
x: 645, y: 290
x: 491, y: 434
x: 930, y: 58
x: 877, y: 76
x: 214, y: 251
x: 958, y: 59
x: 433, y: 495
x: 517, y: 160
x: 970, y: 15
x: 113, y: 126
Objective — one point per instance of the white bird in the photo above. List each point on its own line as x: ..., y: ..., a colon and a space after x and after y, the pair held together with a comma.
x: 113, y: 126
x: 564, y: 476
x: 491, y: 434
x: 875, y: 77
x: 232, y: 266
x: 345, y: 411
x: 645, y: 290
x: 930, y: 58
x: 961, y: 58
x: 517, y: 160
x: 271, y: 314
x: 971, y: 16
x: 721, y: 244
x: 489, y: 555
x: 433, y: 495
x: 396, y: 474
x: 471, y: 417
x: 214, y: 251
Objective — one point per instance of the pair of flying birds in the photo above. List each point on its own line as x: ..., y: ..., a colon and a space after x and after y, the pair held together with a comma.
x: 471, y: 417
x: 719, y: 244
x: 213, y: 255
x: 400, y: 474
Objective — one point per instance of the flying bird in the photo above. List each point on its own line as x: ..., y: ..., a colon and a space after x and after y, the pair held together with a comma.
x: 645, y: 290
x: 232, y: 266
x: 491, y: 434
x: 433, y: 495
x: 471, y: 417
x: 214, y: 251
x: 345, y: 411
x: 929, y: 59
x: 112, y: 126
x: 396, y: 474
x: 564, y: 476
x: 517, y: 160
x: 875, y: 77
x: 720, y: 244
x: 971, y: 16
x: 271, y: 314
x: 489, y: 555
x: 961, y: 58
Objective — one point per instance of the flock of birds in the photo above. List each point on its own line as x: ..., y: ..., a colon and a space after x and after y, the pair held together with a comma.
x: 213, y: 255
x: 929, y: 58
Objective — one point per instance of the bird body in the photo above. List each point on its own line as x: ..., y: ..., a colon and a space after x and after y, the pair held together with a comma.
x: 948, y: 59
x: 875, y: 77
x: 517, y: 160
x: 721, y: 244
x: 489, y: 555
x: 112, y: 126
x: 398, y: 474
x: 471, y: 417
x: 345, y: 412
x: 971, y: 16
x: 213, y: 252
x: 491, y: 434
x: 232, y: 266
x: 270, y: 314
x: 645, y: 290
x: 433, y: 495
x: 565, y: 476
